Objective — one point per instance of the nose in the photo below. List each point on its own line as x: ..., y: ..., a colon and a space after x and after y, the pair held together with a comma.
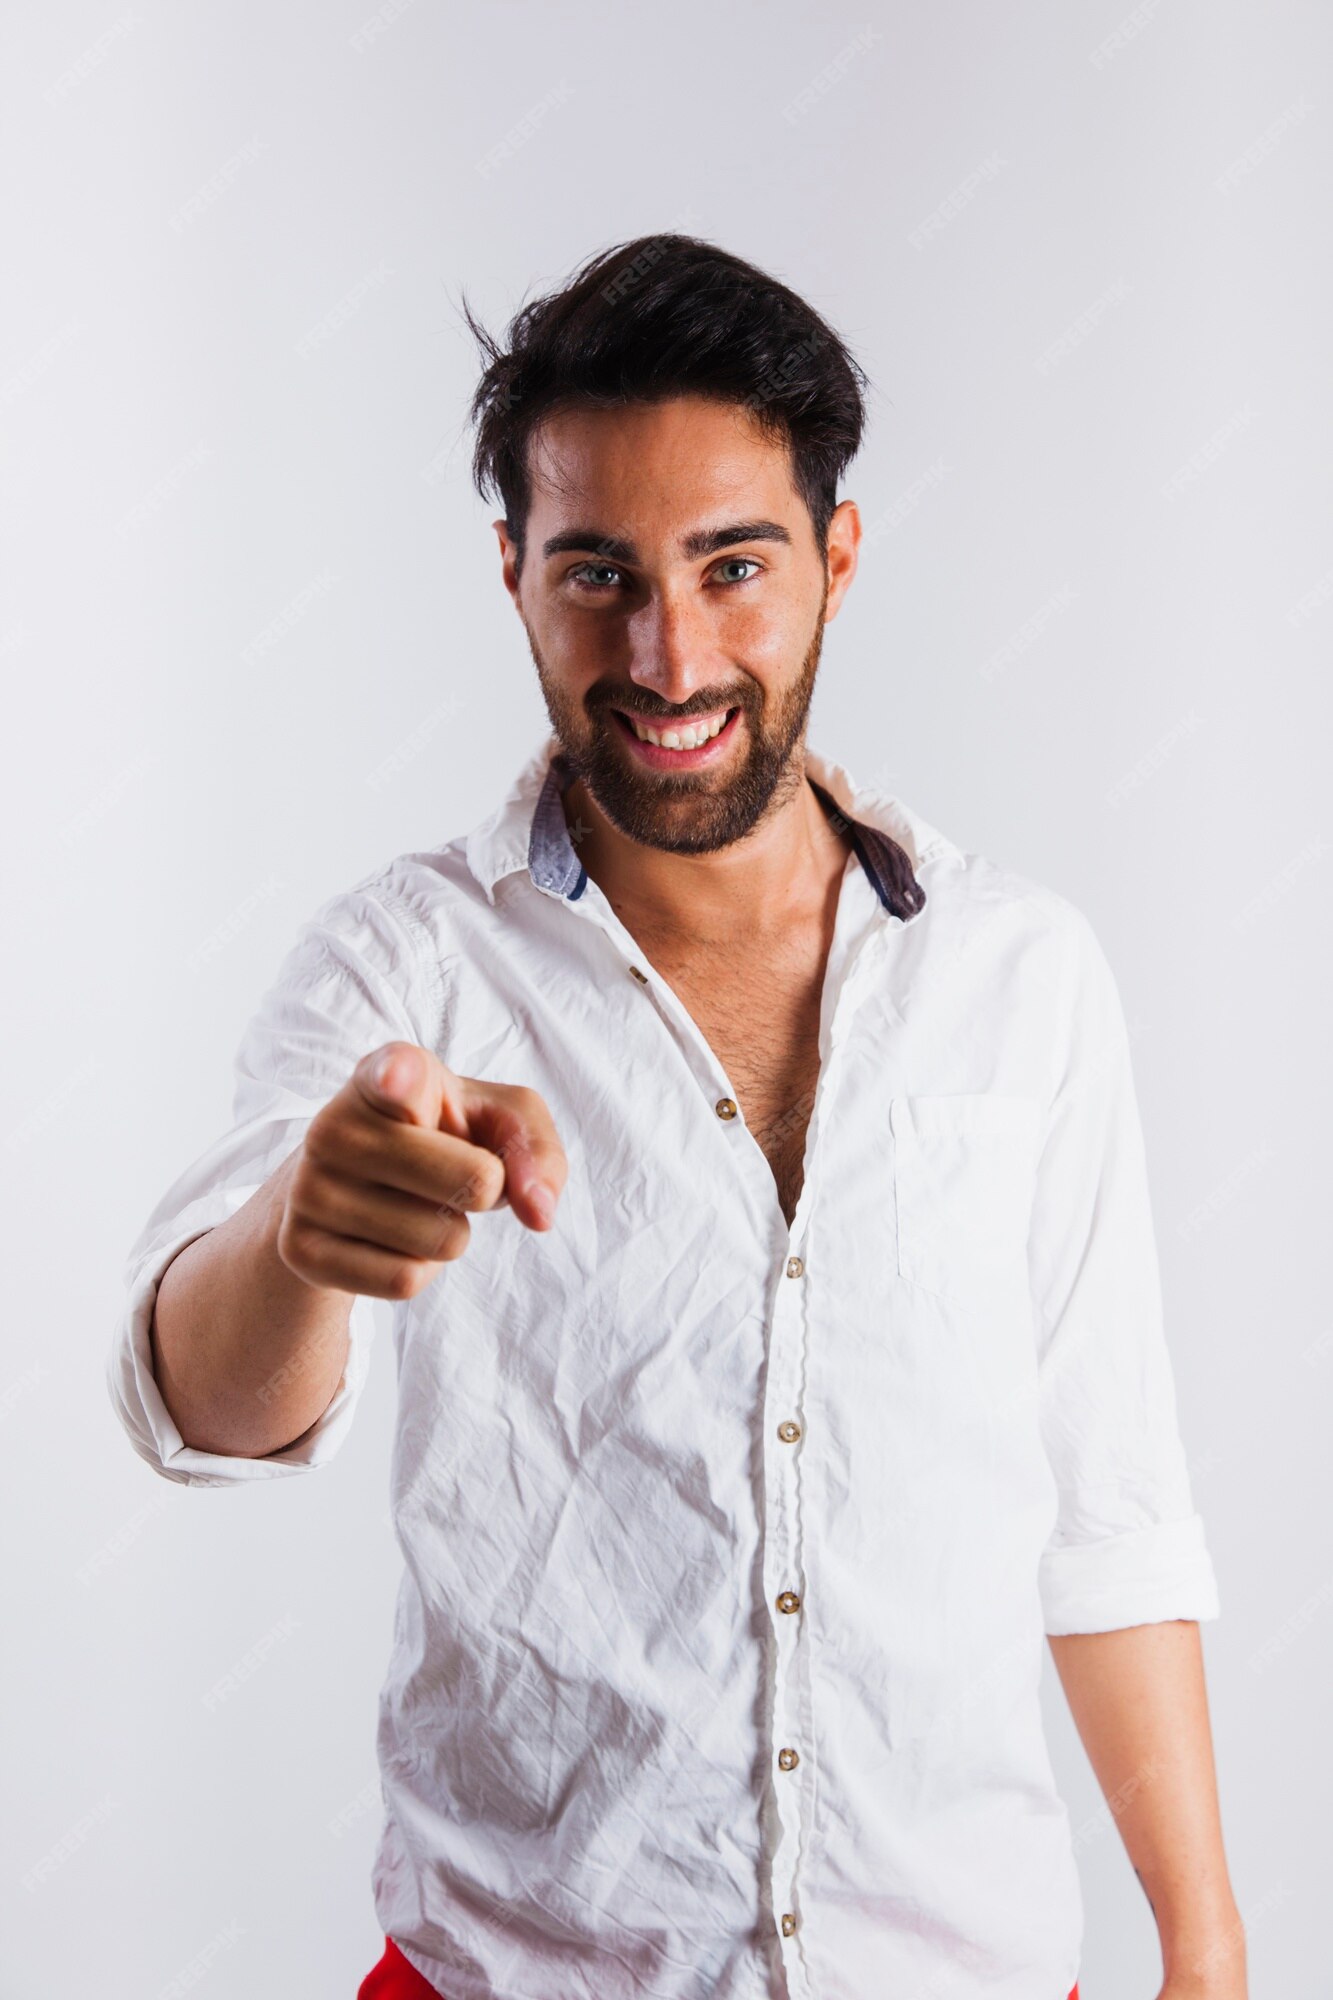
x: 671, y: 648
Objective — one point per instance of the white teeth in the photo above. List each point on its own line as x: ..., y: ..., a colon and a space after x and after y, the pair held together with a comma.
x: 688, y: 737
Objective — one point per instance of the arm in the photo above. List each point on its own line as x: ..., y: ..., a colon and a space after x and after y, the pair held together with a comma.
x: 215, y: 1329
x: 1126, y: 1575
x: 245, y: 1353
x: 242, y: 1347
x: 251, y: 1338
x: 1138, y: 1700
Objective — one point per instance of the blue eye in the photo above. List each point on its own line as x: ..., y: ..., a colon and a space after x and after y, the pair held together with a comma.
x: 575, y: 577
x: 578, y: 576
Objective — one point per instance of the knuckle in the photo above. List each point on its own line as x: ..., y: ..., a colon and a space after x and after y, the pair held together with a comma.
x: 307, y: 1171
x: 307, y: 1198
x: 485, y: 1181
x: 520, y: 1102
x: 294, y: 1245
x: 453, y: 1236
x: 405, y: 1279
x: 320, y: 1139
x: 492, y: 1177
x: 532, y: 1105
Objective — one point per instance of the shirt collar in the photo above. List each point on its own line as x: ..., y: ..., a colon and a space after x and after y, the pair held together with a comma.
x: 528, y: 830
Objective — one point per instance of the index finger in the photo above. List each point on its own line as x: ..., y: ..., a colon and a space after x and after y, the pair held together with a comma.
x: 514, y: 1123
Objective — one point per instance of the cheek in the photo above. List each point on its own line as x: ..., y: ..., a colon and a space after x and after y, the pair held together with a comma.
x: 572, y: 638
x: 768, y: 637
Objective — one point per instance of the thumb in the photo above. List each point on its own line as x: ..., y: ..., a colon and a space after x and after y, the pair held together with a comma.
x: 405, y: 1082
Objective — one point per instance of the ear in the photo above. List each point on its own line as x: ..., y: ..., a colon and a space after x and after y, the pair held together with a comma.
x: 508, y: 558
x: 844, y: 542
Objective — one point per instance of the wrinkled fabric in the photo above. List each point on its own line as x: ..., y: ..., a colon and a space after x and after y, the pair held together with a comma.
x: 592, y: 1673
x: 393, y: 1977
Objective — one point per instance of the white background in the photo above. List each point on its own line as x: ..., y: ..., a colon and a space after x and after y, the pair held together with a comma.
x: 246, y: 574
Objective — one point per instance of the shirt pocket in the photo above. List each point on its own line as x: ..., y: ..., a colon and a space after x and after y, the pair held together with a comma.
x: 963, y: 1176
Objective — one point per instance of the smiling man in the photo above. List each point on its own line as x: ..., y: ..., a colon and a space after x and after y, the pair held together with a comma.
x: 677, y: 656
x: 758, y: 1180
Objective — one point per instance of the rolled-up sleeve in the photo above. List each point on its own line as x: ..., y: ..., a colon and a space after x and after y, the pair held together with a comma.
x: 357, y: 975
x: 1128, y: 1547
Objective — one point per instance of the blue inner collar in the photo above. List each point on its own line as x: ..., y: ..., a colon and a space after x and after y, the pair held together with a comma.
x: 554, y: 863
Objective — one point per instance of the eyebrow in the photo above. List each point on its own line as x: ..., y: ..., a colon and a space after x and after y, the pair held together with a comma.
x: 699, y: 542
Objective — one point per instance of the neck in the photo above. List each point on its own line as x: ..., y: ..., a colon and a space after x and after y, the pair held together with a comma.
x: 781, y: 873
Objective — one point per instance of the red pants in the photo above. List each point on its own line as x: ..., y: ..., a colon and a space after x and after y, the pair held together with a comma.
x: 394, y: 1979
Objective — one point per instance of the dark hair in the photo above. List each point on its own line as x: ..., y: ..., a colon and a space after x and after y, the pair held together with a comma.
x: 664, y: 316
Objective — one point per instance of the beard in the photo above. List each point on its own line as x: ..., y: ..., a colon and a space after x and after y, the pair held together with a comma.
x: 696, y: 812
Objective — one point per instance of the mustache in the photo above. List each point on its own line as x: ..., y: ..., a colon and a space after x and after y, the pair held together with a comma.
x: 683, y: 714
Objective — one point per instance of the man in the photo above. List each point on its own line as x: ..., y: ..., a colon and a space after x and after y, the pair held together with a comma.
x: 816, y: 1369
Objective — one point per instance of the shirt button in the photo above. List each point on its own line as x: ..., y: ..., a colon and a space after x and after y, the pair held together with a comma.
x: 787, y: 1760
x: 725, y: 1107
x: 788, y: 1924
x: 787, y: 1600
x: 794, y: 1267
x: 789, y: 1430
x: 642, y: 977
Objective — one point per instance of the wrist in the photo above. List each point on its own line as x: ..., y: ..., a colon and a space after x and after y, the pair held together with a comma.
x: 1203, y: 1954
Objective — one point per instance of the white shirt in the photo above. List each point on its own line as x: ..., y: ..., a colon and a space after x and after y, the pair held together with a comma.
x: 682, y: 1490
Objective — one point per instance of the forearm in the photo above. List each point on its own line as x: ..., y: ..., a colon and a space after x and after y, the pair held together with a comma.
x: 245, y: 1353
x: 1139, y: 1702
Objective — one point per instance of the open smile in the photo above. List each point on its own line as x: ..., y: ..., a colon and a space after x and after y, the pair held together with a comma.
x: 678, y: 746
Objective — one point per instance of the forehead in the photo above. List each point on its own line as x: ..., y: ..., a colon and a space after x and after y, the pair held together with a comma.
x: 687, y: 456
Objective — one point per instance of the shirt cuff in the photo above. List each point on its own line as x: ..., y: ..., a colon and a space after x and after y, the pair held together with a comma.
x: 138, y: 1402
x: 1138, y: 1578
